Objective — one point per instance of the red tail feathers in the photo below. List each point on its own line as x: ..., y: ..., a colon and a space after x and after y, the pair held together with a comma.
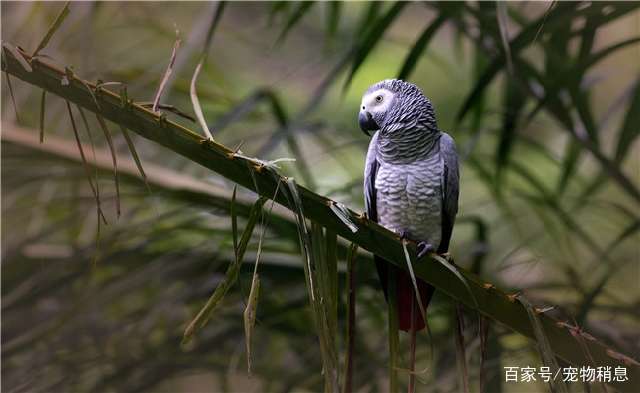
x: 405, y: 294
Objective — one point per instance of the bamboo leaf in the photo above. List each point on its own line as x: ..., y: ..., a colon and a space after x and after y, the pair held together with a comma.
x: 317, y: 280
x: 134, y: 153
x: 303, y: 235
x: 630, y: 127
x: 570, y: 162
x: 167, y: 73
x: 84, y: 159
x: 562, y: 114
x: 97, y: 182
x: 581, y: 68
x: 107, y: 135
x: 343, y: 214
x: 581, y: 102
x: 393, y: 331
x: 524, y: 38
x: 331, y: 260
x: 13, y: 98
x: 546, y: 198
x: 277, y: 8
x: 292, y: 143
x: 574, y: 150
x: 558, y: 43
x: 350, y: 318
x: 544, y: 348
x: 231, y: 276
x: 514, y: 101
x: 69, y: 76
x: 327, y: 330
x: 590, y: 296
x: 483, y: 332
x: 595, y: 58
x: 136, y: 158
x: 455, y: 271
x: 481, y: 241
x: 252, y: 303
x: 626, y: 137
x: 169, y: 108
x: 234, y: 221
x: 423, y: 310
x: 461, y: 353
x: 212, y: 27
x: 42, y: 112
x: 478, y: 110
x: 411, y: 60
x: 52, y: 29
x: 295, y: 16
x: 250, y: 317
x: 196, y: 103
x: 501, y: 10
x: 246, y: 106
x: 372, y: 36
x: 280, y: 115
x: 367, y: 18
x: 333, y: 18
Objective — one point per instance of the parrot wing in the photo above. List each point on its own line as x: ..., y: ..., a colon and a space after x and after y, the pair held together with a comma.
x: 450, y: 189
x: 370, y: 173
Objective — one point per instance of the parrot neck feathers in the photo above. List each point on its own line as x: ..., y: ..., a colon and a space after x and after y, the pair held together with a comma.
x: 399, y: 144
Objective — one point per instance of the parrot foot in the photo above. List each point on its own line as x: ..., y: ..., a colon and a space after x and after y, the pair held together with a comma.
x: 425, y: 248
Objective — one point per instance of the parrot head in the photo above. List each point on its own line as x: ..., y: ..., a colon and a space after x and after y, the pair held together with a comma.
x: 393, y: 104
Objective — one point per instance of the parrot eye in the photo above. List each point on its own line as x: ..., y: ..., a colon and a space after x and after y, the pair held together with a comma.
x: 378, y: 98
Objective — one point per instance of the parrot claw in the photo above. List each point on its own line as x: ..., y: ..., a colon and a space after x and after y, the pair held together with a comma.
x: 424, y: 248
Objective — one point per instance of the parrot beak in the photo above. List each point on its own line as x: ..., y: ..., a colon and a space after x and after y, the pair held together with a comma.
x: 367, y: 123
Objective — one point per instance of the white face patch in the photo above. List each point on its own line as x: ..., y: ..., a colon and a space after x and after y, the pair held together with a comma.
x: 377, y: 102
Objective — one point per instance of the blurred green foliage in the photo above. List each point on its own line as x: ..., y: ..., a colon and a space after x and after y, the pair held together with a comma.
x: 543, y: 102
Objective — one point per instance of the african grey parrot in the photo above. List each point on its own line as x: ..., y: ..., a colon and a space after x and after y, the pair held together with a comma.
x: 410, y: 182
